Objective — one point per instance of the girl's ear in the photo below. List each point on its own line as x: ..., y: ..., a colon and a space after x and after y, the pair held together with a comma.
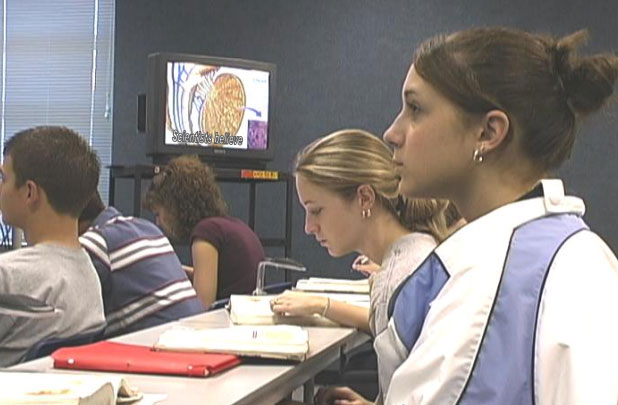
x: 366, y: 196
x: 495, y: 129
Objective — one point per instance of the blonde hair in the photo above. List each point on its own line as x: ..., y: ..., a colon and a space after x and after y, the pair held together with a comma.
x: 346, y: 159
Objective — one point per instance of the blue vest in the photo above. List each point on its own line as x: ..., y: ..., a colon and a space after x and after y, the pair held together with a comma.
x: 503, y: 370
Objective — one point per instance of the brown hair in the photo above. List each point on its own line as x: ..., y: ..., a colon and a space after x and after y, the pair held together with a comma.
x: 538, y: 81
x: 59, y: 161
x: 343, y: 160
x: 187, y: 191
x: 93, y: 208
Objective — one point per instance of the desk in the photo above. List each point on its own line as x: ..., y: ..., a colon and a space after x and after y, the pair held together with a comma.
x: 244, y: 384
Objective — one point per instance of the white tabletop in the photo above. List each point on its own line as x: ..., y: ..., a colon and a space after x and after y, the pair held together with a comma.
x: 244, y: 384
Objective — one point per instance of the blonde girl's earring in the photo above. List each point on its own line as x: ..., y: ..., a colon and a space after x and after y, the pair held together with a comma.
x: 366, y: 213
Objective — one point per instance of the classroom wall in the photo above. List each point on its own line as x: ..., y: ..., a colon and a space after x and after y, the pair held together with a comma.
x: 341, y: 64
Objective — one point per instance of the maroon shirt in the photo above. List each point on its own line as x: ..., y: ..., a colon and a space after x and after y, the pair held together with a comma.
x: 240, y: 251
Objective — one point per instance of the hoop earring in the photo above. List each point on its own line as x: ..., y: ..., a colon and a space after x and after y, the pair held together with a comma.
x: 366, y: 213
x: 477, y: 156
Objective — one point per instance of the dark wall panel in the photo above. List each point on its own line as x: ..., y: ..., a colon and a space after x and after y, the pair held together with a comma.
x: 341, y: 64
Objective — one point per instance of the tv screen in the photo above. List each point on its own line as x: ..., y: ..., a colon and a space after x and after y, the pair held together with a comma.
x: 218, y: 108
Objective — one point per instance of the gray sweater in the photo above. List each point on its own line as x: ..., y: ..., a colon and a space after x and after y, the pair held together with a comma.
x: 401, y: 259
x: 59, y: 276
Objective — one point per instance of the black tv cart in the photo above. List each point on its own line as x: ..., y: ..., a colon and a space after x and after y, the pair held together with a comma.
x: 250, y: 176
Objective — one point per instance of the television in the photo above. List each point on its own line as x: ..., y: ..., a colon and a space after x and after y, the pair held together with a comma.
x: 220, y: 109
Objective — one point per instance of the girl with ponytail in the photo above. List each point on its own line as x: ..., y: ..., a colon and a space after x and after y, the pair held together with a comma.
x: 519, y: 306
x: 348, y: 186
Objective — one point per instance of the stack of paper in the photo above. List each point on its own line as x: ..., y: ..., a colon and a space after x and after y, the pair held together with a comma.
x: 83, y: 389
x: 255, y: 310
x: 276, y: 341
x: 334, y: 285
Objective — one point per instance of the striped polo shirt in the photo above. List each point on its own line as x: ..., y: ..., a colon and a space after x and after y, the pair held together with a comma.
x: 142, y: 279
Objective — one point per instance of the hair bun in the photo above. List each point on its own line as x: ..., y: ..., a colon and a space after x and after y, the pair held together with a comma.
x: 587, y: 81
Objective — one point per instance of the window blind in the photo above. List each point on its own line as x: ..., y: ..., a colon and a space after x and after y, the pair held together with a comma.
x: 57, y: 69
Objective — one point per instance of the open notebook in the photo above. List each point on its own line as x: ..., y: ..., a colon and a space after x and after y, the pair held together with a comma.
x: 52, y: 388
x: 255, y: 310
x: 333, y: 285
x: 275, y: 341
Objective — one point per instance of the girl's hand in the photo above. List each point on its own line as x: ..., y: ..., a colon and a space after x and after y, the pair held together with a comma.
x: 339, y: 396
x: 298, y: 303
x: 365, y: 266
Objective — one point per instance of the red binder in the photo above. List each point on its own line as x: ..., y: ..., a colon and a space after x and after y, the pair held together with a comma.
x: 125, y: 358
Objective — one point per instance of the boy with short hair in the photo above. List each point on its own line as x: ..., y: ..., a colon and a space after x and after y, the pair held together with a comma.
x: 47, y: 177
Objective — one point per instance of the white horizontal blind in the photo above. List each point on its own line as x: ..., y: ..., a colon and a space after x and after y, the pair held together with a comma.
x: 56, y: 69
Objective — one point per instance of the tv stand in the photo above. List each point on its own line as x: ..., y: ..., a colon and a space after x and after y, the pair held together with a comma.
x: 223, y: 163
x: 250, y: 176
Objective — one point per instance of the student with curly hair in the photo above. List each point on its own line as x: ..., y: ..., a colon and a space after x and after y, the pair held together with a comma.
x: 189, y: 206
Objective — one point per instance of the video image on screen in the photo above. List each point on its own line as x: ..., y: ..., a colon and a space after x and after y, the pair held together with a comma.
x: 216, y: 106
